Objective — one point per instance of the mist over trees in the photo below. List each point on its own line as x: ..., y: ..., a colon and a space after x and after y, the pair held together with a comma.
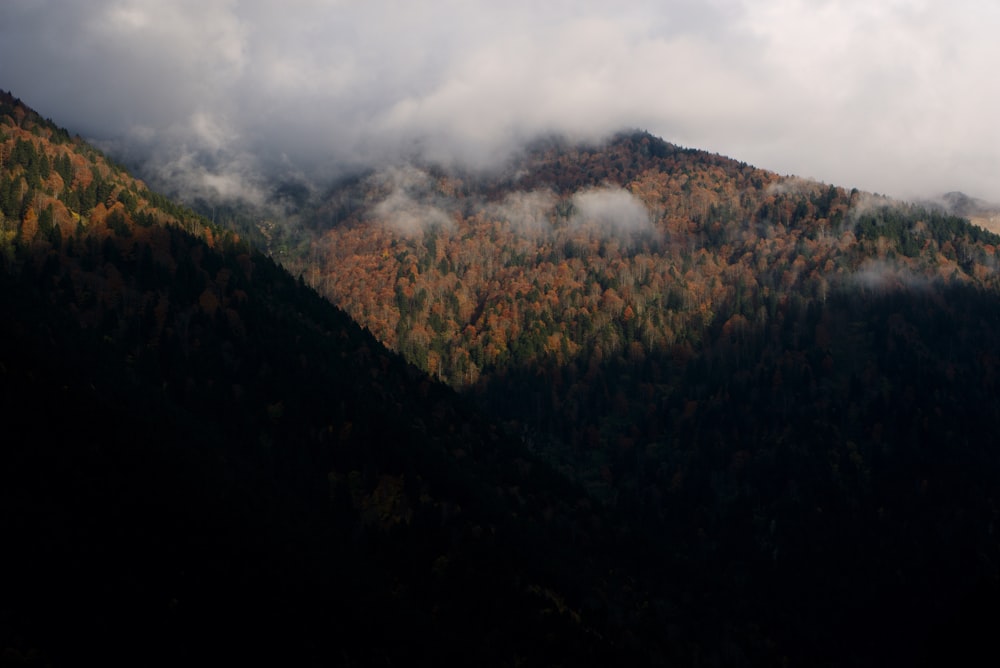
x: 775, y: 372
x: 698, y: 412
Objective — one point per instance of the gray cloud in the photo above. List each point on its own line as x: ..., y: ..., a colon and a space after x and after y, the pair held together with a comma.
x: 894, y: 97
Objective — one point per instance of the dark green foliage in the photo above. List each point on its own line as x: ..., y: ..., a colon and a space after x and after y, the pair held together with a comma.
x: 116, y: 222
x: 27, y: 157
x: 71, y: 198
x: 102, y: 191
x: 10, y: 196
x: 64, y: 168
x: 128, y: 199
x: 897, y: 224
x: 166, y: 205
x: 144, y: 219
x: 55, y: 236
x: 45, y: 225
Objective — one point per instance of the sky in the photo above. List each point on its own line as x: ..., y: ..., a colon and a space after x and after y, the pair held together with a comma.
x: 898, y: 97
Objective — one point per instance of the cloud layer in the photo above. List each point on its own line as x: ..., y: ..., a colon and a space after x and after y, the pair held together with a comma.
x: 895, y: 97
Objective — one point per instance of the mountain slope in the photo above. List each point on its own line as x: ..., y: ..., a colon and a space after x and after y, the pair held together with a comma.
x: 779, y: 398
x: 786, y: 387
x: 979, y: 212
x: 206, y: 463
x: 596, y: 257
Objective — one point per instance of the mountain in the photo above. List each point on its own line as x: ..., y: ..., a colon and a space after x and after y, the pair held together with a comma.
x: 979, y: 212
x: 696, y: 414
x: 787, y: 387
x: 207, y: 463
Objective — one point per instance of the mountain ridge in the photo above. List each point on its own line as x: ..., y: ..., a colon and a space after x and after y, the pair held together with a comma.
x: 238, y: 471
x: 718, y: 352
x: 772, y: 401
x: 978, y: 211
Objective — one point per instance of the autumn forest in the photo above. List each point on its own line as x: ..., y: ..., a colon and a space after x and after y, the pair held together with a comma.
x: 624, y: 403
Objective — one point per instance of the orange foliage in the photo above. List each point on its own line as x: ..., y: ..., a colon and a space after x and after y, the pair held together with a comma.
x: 29, y: 225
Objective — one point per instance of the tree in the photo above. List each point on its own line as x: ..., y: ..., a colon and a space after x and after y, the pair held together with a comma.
x: 45, y: 222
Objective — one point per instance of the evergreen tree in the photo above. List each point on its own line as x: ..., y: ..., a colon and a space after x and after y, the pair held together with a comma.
x: 9, y: 200
x: 64, y: 168
x: 55, y: 236
x: 45, y: 225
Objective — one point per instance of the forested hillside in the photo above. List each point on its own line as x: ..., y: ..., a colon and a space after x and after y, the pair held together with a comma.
x: 638, y: 257
x: 789, y: 386
x: 699, y: 414
x: 205, y: 463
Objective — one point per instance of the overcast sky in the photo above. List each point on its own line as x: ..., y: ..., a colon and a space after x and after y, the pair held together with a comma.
x: 893, y: 96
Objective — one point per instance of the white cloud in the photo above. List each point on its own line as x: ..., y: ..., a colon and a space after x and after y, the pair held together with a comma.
x: 611, y: 210
x: 893, y: 96
x: 409, y: 207
x: 527, y: 212
x: 881, y: 276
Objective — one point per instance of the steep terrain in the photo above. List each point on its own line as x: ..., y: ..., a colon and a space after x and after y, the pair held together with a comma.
x: 206, y: 463
x: 786, y: 386
x: 737, y: 419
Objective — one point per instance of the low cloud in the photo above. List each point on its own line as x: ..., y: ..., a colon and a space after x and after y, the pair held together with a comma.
x: 881, y: 276
x: 529, y: 213
x: 611, y: 211
x: 411, y: 205
x: 864, y: 203
x: 201, y: 157
x: 794, y: 185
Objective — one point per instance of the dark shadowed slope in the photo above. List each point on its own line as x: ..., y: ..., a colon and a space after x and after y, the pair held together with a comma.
x: 204, y: 462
